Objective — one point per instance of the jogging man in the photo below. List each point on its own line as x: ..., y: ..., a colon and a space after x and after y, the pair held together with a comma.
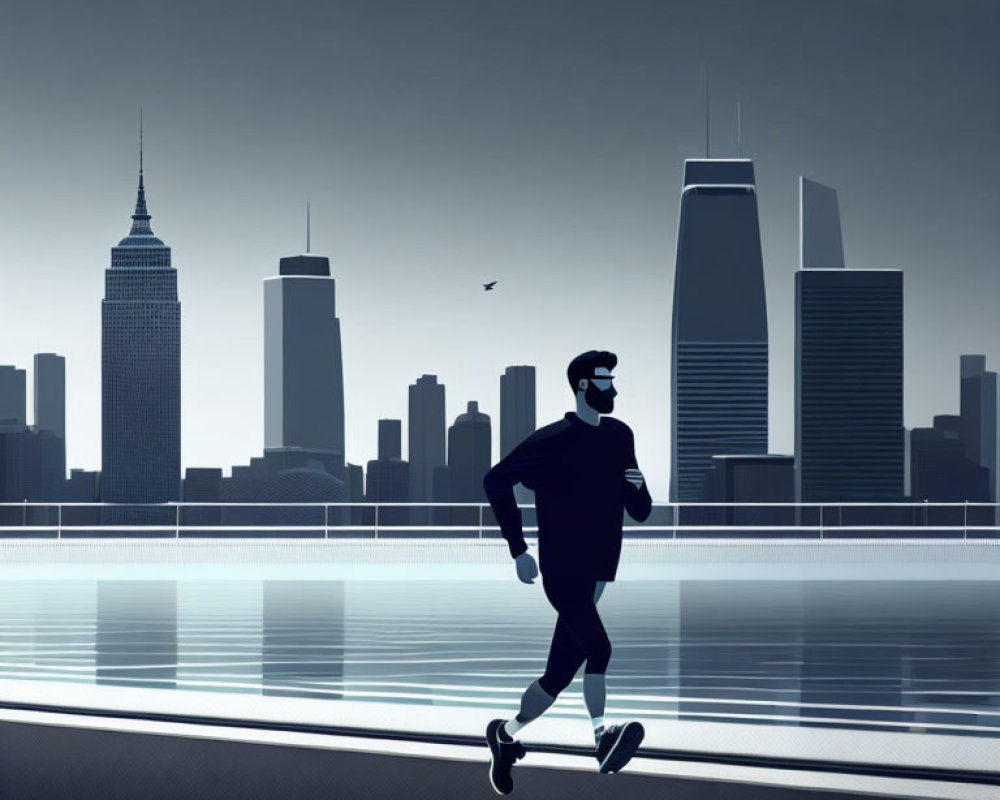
x: 584, y: 474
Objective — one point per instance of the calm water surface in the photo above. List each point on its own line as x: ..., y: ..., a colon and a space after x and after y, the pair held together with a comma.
x: 907, y: 655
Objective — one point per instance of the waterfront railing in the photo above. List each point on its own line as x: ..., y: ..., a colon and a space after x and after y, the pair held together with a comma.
x: 477, y: 521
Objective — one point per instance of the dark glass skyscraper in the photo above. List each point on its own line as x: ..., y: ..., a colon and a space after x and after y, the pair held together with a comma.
x: 50, y: 415
x: 388, y: 476
x: 719, y: 371
x: 849, y: 437
x: 979, y: 415
x: 517, y: 407
x: 13, y: 398
x: 50, y: 393
x: 427, y: 437
x: 140, y: 369
x: 517, y: 416
x: 469, y: 455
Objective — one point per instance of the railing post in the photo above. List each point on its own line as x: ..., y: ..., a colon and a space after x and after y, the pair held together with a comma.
x: 821, y: 522
x: 480, y: 521
x: 59, y: 522
x: 376, y: 520
x: 965, y: 521
x: 177, y: 521
x: 326, y: 522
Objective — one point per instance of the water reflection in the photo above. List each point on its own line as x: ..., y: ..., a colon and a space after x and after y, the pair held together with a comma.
x: 916, y: 655
x: 137, y: 633
x: 740, y: 641
x: 303, y: 651
x: 854, y: 647
x: 220, y: 638
x: 62, y: 619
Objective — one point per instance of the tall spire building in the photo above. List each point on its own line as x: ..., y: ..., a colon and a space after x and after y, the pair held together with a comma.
x: 719, y: 364
x: 303, y: 366
x: 140, y: 368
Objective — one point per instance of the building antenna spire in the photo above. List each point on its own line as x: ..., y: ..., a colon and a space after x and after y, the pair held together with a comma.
x: 308, y: 220
x: 140, y: 142
x: 739, y: 130
x: 708, y: 151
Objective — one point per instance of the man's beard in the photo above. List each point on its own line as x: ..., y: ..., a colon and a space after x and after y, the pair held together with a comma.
x: 603, y: 402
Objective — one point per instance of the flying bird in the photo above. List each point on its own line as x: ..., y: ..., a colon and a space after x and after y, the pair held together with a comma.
x: 489, y: 286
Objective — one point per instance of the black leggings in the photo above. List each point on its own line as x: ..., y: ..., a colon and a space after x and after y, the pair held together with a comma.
x: 579, y: 635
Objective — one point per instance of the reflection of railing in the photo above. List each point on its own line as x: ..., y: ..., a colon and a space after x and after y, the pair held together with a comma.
x: 476, y: 520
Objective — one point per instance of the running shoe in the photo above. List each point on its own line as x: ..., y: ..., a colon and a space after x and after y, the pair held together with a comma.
x: 503, y: 755
x: 618, y: 744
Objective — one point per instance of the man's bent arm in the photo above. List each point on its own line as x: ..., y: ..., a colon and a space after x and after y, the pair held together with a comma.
x: 499, y: 485
x: 638, y: 502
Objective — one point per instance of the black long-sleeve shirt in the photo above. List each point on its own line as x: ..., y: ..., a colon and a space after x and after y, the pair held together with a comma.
x: 577, y: 472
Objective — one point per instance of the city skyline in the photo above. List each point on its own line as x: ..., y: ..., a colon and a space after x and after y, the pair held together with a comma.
x: 549, y: 162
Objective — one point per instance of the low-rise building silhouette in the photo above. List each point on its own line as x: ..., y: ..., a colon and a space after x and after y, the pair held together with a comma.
x: 356, y: 494
x: 202, y: 485
x: 752, y: 479
x: 940, y: 469
x: 277, y: 480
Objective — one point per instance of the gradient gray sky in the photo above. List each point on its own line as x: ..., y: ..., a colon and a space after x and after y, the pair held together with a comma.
x: 445, y: 143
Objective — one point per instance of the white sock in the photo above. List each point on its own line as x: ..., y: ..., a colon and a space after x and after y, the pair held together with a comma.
x: 598, y: 723
x: 512, y: 726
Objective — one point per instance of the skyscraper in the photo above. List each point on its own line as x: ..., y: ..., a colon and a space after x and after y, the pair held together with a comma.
x: 979, y: 415
x: 719, y: 364
x: 140, y: 369
x: 303, y: 368
x: 517, y: 416
x: 849, y: 437
x: 50, y: 393
x: 50, y: 408
x: 388, y: 476
x: 469, y: 455
x: 426, y: 433
x: 517, y: 407
x: 13, y: 402
x: 390, y: 439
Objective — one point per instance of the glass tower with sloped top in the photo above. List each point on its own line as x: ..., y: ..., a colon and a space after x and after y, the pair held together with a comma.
x: 140, y: 369
x: 849, y: 437
x: 719, y: 366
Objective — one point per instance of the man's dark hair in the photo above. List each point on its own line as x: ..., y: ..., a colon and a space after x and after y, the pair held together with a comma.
x: 583, y: 366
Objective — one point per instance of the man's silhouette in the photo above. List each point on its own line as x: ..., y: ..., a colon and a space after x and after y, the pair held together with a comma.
x: 584, y: 474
